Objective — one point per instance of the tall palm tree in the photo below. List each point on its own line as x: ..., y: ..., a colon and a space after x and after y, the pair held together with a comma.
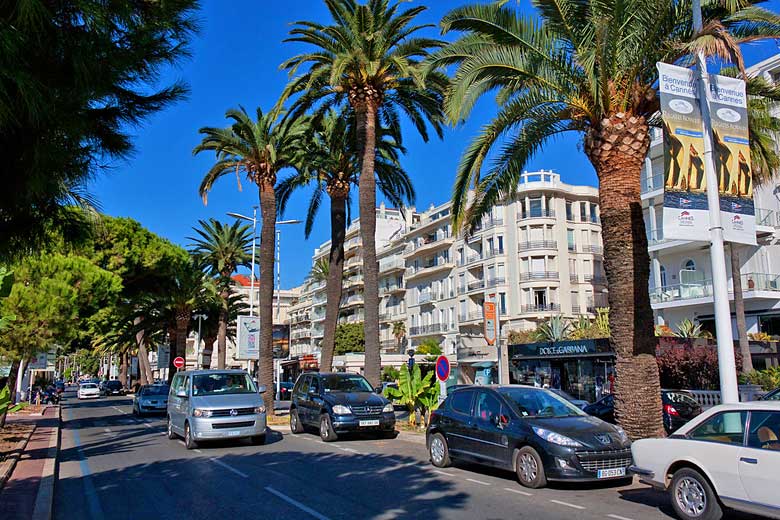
x: 584, y: 66
x: 220, y: 249
x: 399, y: 332
x: 319, y: 271
x: 211, y: 326
x: 332, y: 167
x: 258, y: 148
x: 368, y: 58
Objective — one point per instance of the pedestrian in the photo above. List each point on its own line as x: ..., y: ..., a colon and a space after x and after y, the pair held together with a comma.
x: 611, y: 380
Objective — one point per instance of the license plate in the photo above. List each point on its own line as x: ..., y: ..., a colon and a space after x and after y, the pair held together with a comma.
x: 372, y: 422
x: 609, y: 473
x: 233, y: 433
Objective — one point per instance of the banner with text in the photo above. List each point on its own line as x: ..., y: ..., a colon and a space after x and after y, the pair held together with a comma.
x: 685, y: 213
x: 248, y: 338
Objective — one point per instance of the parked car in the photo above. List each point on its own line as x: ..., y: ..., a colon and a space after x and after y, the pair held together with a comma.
x: 337, y: 403
x: 531, y: 431
x: 151, y: 399
x: 679, y: 407
x: 88, y: 391
x: 113, y: 387
x: 215, y: 404
x: 60, y: 387
x: 579, y: 403
x: 774, y: 395
x: 728, y: 457
x: 285, y: 391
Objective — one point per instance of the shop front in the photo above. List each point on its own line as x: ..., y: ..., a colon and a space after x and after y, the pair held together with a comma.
x: 292, y: 368
x: 582, y: 368
x: 477, y: 364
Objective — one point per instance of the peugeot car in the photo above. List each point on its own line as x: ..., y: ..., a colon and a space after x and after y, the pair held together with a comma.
x: 532, y: 431
x: 337, y: 403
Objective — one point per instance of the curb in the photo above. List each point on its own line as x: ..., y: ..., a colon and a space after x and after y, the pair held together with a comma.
x: 44, y: 501
x: 8, y: 465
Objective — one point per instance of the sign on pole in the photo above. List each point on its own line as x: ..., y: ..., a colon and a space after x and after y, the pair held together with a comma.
x: 685, y: 214
x: 163, y: 356
x: 442, y: 374
x: 248, y: 338
x: 489, y: 313
x: 178, y: 362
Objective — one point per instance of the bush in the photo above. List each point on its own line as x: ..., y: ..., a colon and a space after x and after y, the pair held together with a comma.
x: 428, y: 347
x: 664, y: 331
x: 390, y: 374
x: 768, y: 379
x: 350, y: 338
x: 692, y: 368
x: 759, y: 336
x: 522, y: 337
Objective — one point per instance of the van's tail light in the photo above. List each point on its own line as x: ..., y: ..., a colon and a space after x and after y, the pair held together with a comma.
x: 671, y: 410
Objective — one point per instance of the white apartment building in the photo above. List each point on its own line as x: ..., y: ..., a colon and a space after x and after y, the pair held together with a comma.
x: 681, y: 271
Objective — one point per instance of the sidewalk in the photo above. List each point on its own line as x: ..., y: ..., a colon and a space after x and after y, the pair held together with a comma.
x: 29, y: 492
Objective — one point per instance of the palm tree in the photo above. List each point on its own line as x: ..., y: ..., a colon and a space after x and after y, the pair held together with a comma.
x: 211, y: 326
x: 369, y: 58
x: 319, y: 271
x: 399, y: 332
x: 220, y: 249
x: 585, y: 67
x: 332, y: 167
x: 260, y: 149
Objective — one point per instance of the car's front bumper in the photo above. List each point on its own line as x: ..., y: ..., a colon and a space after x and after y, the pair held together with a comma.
x: 153, y: 408
x: 562, y: 463
x: 238, y: 427
x: 351, y: 423
x: 89, y: 396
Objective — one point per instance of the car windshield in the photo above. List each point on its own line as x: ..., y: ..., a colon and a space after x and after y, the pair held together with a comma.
x: 346, y: 383
x: 562, y: 394
x: 155, y: 390
x: 114, y: 384
x: 679, y: 398
x: 221, y: 384
x: 89, y: 385
x: 532, y: 402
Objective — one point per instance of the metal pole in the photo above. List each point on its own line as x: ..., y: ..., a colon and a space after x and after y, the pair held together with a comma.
x: 728, y: 371
x: 278, y: 274
x: 252, y: 276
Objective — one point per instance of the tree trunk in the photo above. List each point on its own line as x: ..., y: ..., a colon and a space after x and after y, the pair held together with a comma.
x: 182, y: 324
x: 739, y: 310
x: 338, y: 229
x: 123, y: 369
x: 143, y: 352
x: 11, y: 384
x: 617, y: 149
x: 208, y: 351
x: 144, y: 370
x: 222, y: 329
x: 265, y: 308
x: 366, y: 111
x: 20, y: 379
x: 173, y: 344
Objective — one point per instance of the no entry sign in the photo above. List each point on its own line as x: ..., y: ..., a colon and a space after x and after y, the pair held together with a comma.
x: 442, y: 368
x: 178, y: 362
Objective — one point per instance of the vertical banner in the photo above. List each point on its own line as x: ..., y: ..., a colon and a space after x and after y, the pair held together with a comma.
x: 491, y: 327
x: 248, y: 338
x: 731, y: 154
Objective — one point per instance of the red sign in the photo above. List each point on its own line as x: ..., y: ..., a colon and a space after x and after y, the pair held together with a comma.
x: 442, y: 368
x: 489, y: 311
x: 178, y: 362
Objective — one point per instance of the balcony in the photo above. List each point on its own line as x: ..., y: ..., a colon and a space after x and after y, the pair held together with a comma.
x: 494, y: 253
x: 575, y: 309
x: 355, y: 299
x: 393, y: 264
x: 595, y: 279
x: 543, y: 307
x: 429, y: 269
x: 652, y: 183
x: 536, y: 213
x: 425, y: 297
x: 470, y: 316
x: 352, y: 318
x: 491, y: 223
x: 391, y: 288
x: 498, y: 280
x: 767, y: 218
x: 596, y: 250
x: 538, y: 275
x: 355, y: 261
x: 751, y: 283
x: 428, y: 244
x: 392, y: 316
x: 476, y: 284
x: 389, y: 346
x: 470, y: 259
x: 537, y: 244
x: 352, y: 281
x: 425, y: 330
x: 574, y: 278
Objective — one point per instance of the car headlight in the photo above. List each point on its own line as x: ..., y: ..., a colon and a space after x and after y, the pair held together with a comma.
x: 388, y: 408
x: 260, y: 409
x: 145, y: 402
x: 340, y: 409
x: 198, y: 412
x: 556, y: 438
x: 622, y: 435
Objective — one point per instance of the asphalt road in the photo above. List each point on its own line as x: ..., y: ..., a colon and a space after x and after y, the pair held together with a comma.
x: 115, y: 466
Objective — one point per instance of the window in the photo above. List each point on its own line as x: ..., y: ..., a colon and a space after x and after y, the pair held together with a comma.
x: 314, y: 384
x: 303, y: 387
x: 222, y: 384
x: 461, y: 401
x: 570, y: 239
x: 764, y: 431
x: 500, y: 241
x: 569, y: 211
x: 663, y: 276
x: 583, y: 212
x: 487, y: 408
x: 725, y: 428
x: 186, y: 385
x: 502, y: 303
x: 540, y: 297
x: 177, y: 383
x: 535, y: 207
x: 689, y: 265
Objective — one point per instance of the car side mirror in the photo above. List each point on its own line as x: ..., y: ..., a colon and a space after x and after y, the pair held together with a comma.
x: 181, y: 393
x: 261, y: 389
x: 378, y: 390
x: 312, y: 392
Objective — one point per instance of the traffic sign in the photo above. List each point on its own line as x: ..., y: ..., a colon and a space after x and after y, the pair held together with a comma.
x: 489, y: 313
x: 442, y: 368
x: 178, y: 362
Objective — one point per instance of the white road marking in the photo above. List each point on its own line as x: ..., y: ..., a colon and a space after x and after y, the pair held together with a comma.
x: 440, y: 472
x: 147, y: 425
x: 197, y: 451
x: 297, y: 504
x: 574, y: 506
x: 618, y: 517
x: 349, y: 450
x: 119, y: 410
x: 477, y: 482
x: 518, y: 492
x: 107, y: 430
x: 229, y: 468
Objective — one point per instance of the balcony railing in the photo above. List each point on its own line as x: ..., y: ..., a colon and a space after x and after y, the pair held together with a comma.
x: 494, y: 252
x: 537, y: 244
x: 537, y: 213
x: 595, y: 279
x: 498, y: 280
x: 410, y: 271
x: 539, y: 275
x: 767, y: 217
x: 396, y: 263
x: 476, y: 284
x: 433, y: 328
x: 470, y: 259
x: 596, y: 250
x: 425, y: 297
x: 544, y: 307
x: 574, y: 277
x: 655, y: 236
x: 354, y: 299
x: 428, y: 240
x: 575, y: 309
x: 388, y: 288
x: 470, y: 316
x: 491, y: 223
x: 683, y: 291
x: 652, y: 183
x: 392, y: 316
x: 760, y: 282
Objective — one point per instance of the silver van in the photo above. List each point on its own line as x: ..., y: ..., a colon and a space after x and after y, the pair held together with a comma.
x: 215, y: 404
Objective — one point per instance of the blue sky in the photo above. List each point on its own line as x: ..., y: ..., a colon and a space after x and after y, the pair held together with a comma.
x: 235, y: 62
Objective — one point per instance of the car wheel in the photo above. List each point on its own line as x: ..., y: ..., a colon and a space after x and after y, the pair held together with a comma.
x: 438, y: 450
x: 693, y: 497
x: 327, y: 433
x: 189, y: 442
x: 171, y: 434
x: 295, y: 422
x: 258, y: 440
x: 529, y: 468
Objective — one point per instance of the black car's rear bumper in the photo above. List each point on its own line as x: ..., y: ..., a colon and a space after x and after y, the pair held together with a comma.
x: 351, y: 423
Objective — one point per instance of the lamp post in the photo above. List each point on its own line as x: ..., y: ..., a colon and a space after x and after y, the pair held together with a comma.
x: 199, y: 317
x: 279, y: 294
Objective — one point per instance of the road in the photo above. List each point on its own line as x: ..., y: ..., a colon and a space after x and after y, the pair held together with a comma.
x: 115, y: 466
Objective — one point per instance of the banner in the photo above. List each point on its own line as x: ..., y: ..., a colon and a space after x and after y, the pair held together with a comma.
x: 248, y: 338
x: 685, y: 210
x: 163, y: 356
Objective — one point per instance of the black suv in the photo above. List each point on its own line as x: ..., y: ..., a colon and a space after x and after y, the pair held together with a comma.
x: 338, y: 403
x: 113, y: 387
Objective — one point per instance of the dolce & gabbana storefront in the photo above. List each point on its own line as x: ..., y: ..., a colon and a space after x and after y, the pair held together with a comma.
x: 582, y: 368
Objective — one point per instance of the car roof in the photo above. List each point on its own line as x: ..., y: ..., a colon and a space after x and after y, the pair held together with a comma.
x: 325, y: 374
x: 773, y: 406
x: 214, y: 371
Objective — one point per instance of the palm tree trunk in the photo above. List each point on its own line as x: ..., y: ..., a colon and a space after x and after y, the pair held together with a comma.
x: 182, y: 323
x: 208, y: 350
x: 222, y: 330
x: 139, y: 341
x: 617, y: 149
x: 338, y: 229
x: 266, y: 292
x: 739, y: 310
x: 143, y: 353
x: 366, y: 113
x: 11, y: 384
x: 123, y: 368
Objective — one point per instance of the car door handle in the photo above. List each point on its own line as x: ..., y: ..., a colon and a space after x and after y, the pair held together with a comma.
x: 748, y: 460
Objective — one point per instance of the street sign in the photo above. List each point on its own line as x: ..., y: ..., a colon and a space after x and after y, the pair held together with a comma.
x: 442, y: 368
x: 248, y: 338
x: 489, y: 313
x: 163, y: 356
x: 178, y: 362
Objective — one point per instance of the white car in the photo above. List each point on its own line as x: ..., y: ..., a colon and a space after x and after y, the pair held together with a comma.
x: 88, y: 390
x: 729, y: 456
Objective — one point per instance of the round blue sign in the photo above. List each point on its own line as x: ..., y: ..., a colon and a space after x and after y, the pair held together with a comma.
x: 442, y: 368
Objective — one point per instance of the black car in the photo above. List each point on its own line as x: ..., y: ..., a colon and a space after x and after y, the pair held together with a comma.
x: 531, y: 431
x: 113, y: 387
x: 337, y: 403
x: 774, y: 395
x: 679, y: 407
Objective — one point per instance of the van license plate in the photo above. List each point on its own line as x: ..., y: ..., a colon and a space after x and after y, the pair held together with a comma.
x: 372, y: 422
x: 234, y: 433
x: 609, y: 473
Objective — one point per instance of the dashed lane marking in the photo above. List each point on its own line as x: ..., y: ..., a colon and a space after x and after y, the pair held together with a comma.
x: 440, y: 472
x: 618, y: 517
x: 297, y: 504
x: 518, y: 492
x: 197, y: 451
x: 478, y: 482
x: 573, y: 506
x: 229, y: 468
